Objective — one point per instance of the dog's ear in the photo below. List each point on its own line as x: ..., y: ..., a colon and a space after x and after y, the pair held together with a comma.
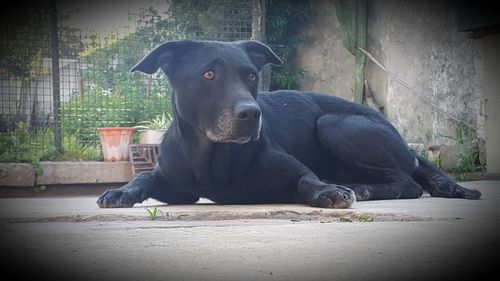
x: 167, y: 56
x: 259, y: 53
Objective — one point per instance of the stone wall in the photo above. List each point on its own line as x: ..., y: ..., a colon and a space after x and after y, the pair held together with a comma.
x: 418, y: 41
x: 329, y: 66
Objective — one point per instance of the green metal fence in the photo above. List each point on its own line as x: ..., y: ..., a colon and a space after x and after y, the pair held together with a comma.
x: 96, y: 88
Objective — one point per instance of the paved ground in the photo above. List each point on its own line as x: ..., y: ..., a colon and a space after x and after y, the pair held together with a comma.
x: 428, y: 238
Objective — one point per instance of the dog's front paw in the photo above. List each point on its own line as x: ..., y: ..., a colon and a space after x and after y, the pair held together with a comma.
x: 333, y: 197
x: 117, y: 198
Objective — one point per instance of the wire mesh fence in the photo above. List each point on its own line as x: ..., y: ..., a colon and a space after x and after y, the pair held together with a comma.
x: 96, y: 87
x: 26, y: 107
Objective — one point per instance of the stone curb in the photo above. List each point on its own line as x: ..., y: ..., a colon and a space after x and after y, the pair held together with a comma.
x: 53, y: 173
x: 17, y: 174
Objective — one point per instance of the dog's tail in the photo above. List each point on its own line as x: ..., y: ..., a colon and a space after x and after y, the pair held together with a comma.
x: 439, y: 184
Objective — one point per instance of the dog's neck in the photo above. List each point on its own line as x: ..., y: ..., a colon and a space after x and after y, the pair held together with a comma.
x: 199, y: 151
x: 209, y: 161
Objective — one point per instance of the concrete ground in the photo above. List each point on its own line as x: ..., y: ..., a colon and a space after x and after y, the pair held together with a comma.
x: 428, y: 238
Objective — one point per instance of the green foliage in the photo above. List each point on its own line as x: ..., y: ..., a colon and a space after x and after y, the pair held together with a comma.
x: 31, y: 146
x: 464, y: 133
x: 26, y: 29
x: 224, y: 20
x: 75, y: 149
x: 422, y: 153
x: 82, y: 116
x: 468, y: 159
x: 25, y: 145
x: 284, y: 18
x: 108, y: 62
x: 152, y: 213
x: 158, y: 123
x: 365, y: 218
x: 345, y: 219
x: 437, y: 162
x: 467, y: 163
x: 286, y: 78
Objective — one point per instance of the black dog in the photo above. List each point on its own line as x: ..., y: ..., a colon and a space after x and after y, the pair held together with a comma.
x: 230, y: 145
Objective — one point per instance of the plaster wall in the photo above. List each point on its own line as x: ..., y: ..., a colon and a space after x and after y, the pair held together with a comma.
x: 420, y: 43
x: 329, y: 66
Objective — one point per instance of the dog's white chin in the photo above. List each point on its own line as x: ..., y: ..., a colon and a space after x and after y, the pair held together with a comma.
x: 241, y: 140
x: 229, y: 139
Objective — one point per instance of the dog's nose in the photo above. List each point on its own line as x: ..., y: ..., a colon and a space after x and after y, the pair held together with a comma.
x: 247, y: 111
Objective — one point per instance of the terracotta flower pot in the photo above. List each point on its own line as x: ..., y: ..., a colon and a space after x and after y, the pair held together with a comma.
x: 115, y: 142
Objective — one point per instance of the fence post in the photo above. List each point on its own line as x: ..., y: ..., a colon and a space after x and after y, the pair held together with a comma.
x: 56, y: 89
x: 259, y: 34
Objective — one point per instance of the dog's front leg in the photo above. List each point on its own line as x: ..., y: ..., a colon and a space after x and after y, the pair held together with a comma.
x: 145, y: 185
x: 319, y: 194
x: 133, y: 192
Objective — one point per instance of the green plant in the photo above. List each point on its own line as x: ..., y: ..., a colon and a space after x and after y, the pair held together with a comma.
x: 199, y: 20
x: 78, y: 218
x: 158, y: 123
x: 437, y: 162
x: 39, y: 188
x: 75, y: 149
x: 365, y: 218
x: 468, y: 159
x: 33, y: 146
x: 287, y: 78
x: 26, y: 145
x: 152, y: 213
x: 284, y: 18
x: 345, y: 219
x: 467, y: 163
x: 425, y: 154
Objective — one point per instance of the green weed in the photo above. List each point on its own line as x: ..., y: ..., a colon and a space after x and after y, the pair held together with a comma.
x: 365, y: 218
x: 153, y: 213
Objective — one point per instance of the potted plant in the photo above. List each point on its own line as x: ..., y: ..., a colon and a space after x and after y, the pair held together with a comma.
x: 151, y: 131
x: 115, y: 142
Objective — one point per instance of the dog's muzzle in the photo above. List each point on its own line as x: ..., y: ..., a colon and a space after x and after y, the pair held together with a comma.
x: 238, y: 126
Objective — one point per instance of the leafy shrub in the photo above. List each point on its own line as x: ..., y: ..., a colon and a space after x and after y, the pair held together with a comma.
x: 23, y: 145
x: 157, y: 123
x: 284, y: 18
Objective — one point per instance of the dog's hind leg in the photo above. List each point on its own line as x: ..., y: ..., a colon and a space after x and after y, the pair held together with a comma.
x: 401, y: 188
x: 438, y: 184
x: 377, y: 162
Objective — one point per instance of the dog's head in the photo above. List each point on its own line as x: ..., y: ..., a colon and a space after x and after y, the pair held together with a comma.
x: 215, y: 84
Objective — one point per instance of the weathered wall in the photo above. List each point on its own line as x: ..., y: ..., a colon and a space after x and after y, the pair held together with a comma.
x: 329, y: 66
x: 491, y: 51
x: 419, y: 42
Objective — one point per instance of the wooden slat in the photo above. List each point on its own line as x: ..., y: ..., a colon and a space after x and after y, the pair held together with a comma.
x: 143, y: 157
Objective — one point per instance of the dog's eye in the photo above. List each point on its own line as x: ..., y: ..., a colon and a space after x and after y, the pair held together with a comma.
x: 209, y: 75
x: 252, y: 77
